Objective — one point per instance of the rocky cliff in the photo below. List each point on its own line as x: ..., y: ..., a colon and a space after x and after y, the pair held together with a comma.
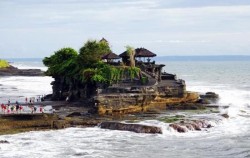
x: 13, y: 71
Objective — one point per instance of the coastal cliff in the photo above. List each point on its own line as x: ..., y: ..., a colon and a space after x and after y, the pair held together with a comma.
x: 13, y: 71
x: 113, y: 84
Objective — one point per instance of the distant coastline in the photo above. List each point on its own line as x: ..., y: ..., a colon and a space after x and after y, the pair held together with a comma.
x: 165, y: 58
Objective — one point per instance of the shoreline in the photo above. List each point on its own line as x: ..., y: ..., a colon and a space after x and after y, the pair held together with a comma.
x: 76, y: 115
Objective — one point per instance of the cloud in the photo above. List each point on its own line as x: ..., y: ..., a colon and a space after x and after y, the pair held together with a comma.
x: 175, y: 26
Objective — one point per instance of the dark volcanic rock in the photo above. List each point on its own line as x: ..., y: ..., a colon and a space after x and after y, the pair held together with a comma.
x: 13, y: 71
x: 225, y: 115
x: 185, y: 106
x: 178, y: 128
x: 4, y: 142
x: 184, y: 126
x: 209, y: 97
x: 74, y: 114
x: 131, y: 127
x: 59, y: 124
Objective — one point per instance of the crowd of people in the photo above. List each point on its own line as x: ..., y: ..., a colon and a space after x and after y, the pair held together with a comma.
x: 27, y: 107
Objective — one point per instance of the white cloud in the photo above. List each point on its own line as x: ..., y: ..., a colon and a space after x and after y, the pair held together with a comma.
x: 164, y: 26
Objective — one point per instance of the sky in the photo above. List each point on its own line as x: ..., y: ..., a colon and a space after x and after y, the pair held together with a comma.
x: 38, y: 28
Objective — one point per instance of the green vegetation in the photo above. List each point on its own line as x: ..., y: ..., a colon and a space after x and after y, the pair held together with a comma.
x: 87, y: 65
x: 67, y: 63
x: 61, y: 63
x: 104, y: 73
x: 90, y: 54
x: 4, y: 64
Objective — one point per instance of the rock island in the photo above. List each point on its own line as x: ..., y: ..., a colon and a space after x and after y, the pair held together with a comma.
x: 115, y: 84
x: 96, y: 86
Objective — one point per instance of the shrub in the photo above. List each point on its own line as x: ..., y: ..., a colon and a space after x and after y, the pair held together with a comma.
x: 4, y: 64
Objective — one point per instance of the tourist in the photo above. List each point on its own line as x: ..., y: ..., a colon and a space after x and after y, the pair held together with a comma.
x: 41, y: 109
x: 12, y: 108
x: 32, y: 109
x: 21, y: 108
x: 35, y: 108
x: 8, y: 101
x: 2, y: 106
x: 17, y: 107
x: 8, y: 108
x: 26, y: 100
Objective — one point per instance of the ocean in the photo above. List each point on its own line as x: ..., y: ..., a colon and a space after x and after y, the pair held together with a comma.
x: 227, y: 138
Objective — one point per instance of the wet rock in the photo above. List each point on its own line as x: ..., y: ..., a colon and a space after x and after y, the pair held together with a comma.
x: 73, y: 114
x: 209, y: 97
x: 196, y: 127
x: 4, y: 142
x: 178, y: 128
x: 189, y: 127
x: 59, y: 124
x: 184, y: 126
x: 131, y: 127
x: 185, y: 106
x: 225, y: 115
x: 13, y: 71
x: 202, y: 123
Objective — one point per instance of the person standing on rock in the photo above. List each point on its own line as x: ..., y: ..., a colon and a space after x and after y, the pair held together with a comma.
x: 17, y: 108
x: 35, y: 108
x: 8, y: 108
x: 41, y: 109
x: 21, y: 108
x: 12, y: 108
x: 32, y: 109
x: 2, y: 106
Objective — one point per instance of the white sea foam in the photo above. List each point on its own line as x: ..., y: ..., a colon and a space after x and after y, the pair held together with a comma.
x: 29, y: 65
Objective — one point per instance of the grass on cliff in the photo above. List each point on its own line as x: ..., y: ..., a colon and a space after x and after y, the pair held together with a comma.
x: 4, y: 64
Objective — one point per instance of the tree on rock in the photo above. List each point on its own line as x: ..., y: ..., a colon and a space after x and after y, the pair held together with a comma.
x: 61, y: 63
x: 92, y: 51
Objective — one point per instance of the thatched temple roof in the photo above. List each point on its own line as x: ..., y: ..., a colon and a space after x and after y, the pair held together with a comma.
x: 104, y: 40
x: 110, y: 55
x: 139, y: 52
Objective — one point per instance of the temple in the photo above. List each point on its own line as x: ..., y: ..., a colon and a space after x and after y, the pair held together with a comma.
x: 151, y: 75
x: 137, y: 84
x: 152, y: 87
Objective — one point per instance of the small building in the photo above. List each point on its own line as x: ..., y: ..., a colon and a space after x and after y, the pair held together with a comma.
x: 146, y: 65
x: 104, y: 40
x: 110, y: 57
x: 139, y: 53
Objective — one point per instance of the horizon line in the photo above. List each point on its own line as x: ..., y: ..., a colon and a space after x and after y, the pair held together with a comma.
x: 156, y: 56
